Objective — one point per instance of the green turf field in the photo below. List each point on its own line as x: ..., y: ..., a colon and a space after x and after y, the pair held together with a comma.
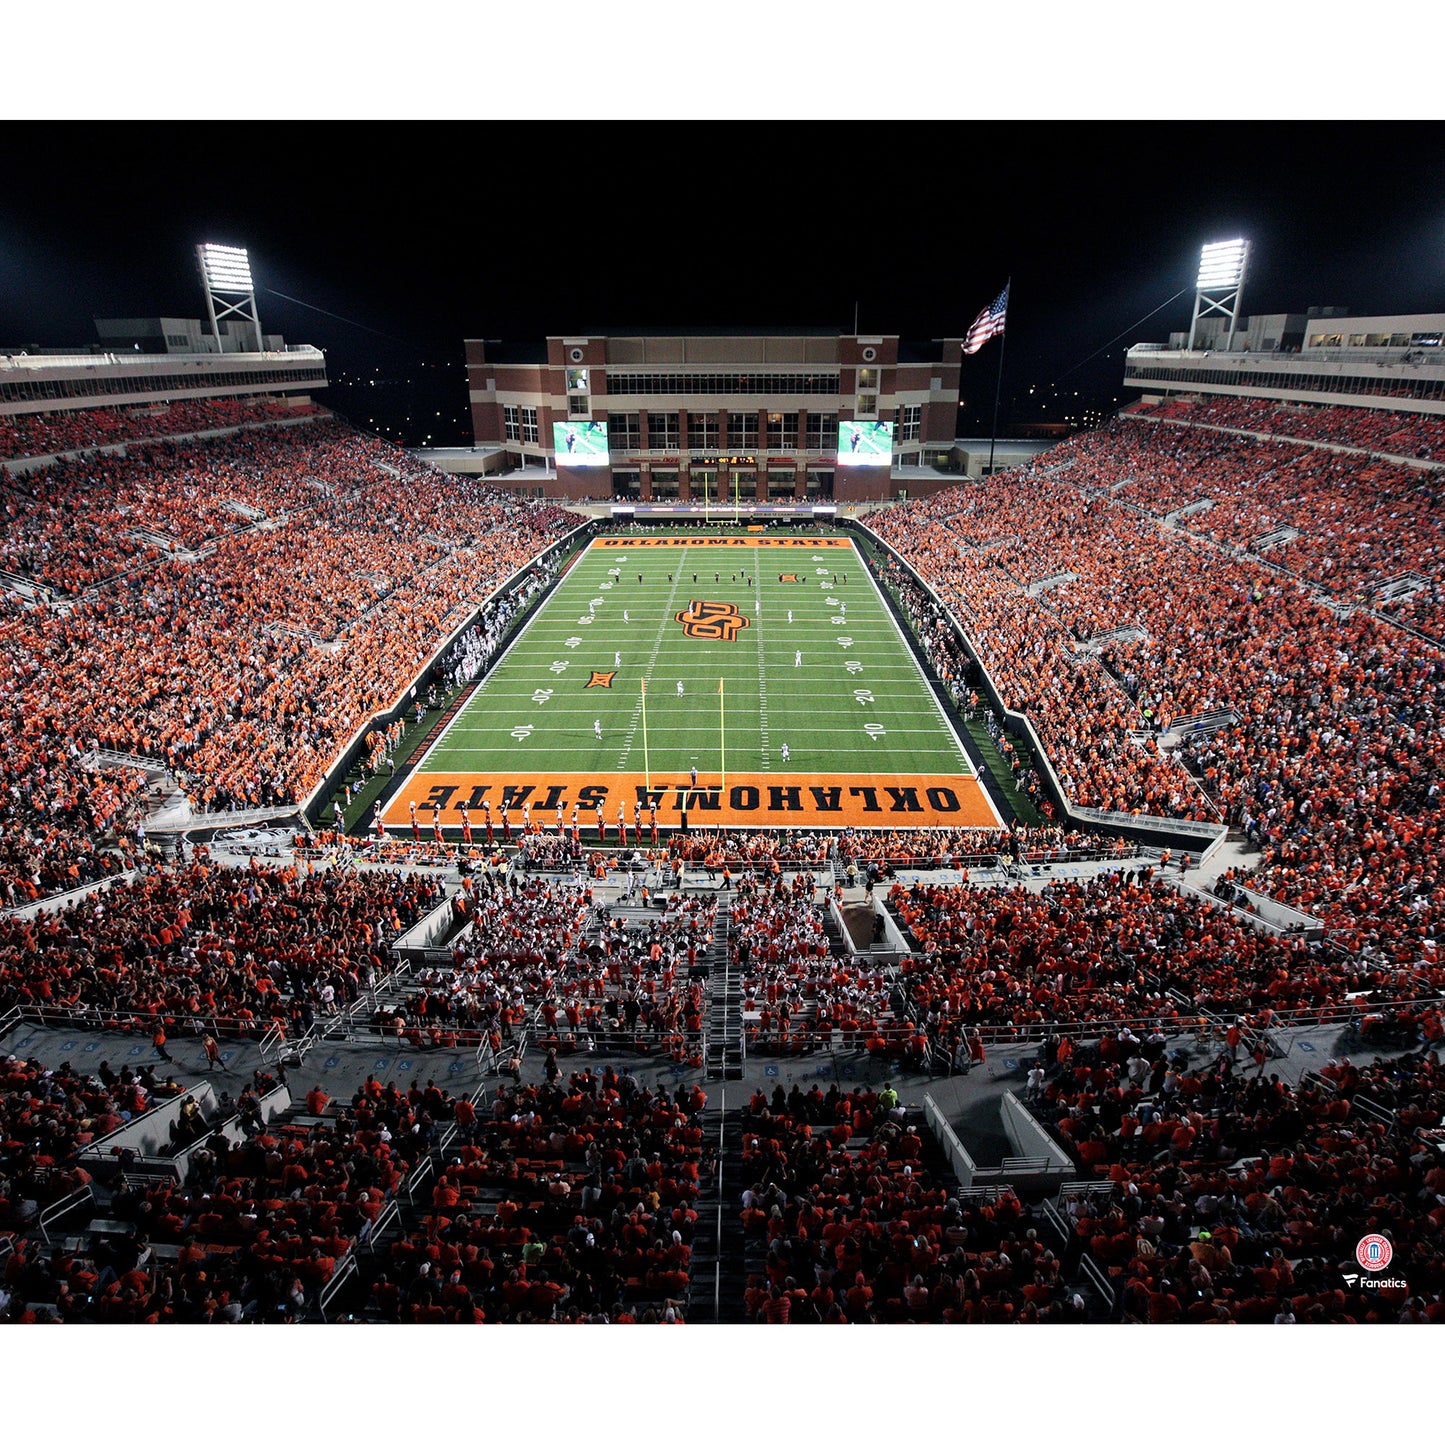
x: 856, y: 702
x: 814, y: 661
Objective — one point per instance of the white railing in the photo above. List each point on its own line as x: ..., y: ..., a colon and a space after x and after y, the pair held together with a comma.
x: 62, y: 1207
x: 56, y: 902
x: 418, y: 1177
x: 272, y: 1042
x: 721, y: 1202
x: 1099, y: 1280
x: 344, y: 1271
x: 1056, y: 1222
x: 958, y: 1157
x: 383, y: 1221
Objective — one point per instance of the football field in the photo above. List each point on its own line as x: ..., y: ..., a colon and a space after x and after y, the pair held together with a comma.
x: 769, y: 664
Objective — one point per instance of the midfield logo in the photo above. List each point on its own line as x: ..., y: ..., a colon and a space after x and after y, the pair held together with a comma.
x: 601, y: 679
x: 712, y: 621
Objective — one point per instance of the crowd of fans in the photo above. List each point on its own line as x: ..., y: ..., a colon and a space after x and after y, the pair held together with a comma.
x: 41, y: 434
x: 202, y: 946
x: 1122, y: 945
x: 1238, y: 1197
x: 254, y: 1233
x: 1397, y: 433
x: 537, y: 962
x: 47, y: 1116
x: 857, y: 1230
x: 1334, y: 764
x: 1084, y: 718
x: 322, y: 618
x: 1362, y: 522
x: 568, y: 1203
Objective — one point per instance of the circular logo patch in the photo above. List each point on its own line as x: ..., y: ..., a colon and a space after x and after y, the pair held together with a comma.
x: 1374, y: 1252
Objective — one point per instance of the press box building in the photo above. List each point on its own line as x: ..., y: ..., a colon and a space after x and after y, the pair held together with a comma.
x: 758, y: 417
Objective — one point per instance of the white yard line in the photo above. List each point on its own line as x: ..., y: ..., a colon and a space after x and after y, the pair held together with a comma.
x: 762, y: 673
x: 651, y: 662
x: 421, y: 766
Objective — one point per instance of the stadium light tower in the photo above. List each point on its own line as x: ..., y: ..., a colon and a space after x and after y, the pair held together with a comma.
x: 226, y: 277
x: 1220, y: 284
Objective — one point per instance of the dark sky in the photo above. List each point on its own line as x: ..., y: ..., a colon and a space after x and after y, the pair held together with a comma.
x: 427, y: 233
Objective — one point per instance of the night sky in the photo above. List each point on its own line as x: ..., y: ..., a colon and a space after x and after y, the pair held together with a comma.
x: 422, y: 234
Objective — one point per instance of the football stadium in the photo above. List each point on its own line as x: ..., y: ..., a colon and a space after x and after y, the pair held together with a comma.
x: 723, y: 848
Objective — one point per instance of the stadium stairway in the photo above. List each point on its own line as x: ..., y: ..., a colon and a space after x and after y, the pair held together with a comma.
x: 725, y: 1013
x: 719, y: 1266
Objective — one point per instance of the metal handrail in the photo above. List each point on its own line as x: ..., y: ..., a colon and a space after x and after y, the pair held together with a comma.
x: 62, y: 1207
x: 128, y: 1019
x: 1073, y: 1187
x: 421, y: 1173
x: 381, y: 1224
x: 271, y: 1042
x: 1359, y: 1102
x: 1320, y: 1015
x: 1099, y: 1280
x: 717, y: 1252
x: 1056, y: 1222
x: 329, y: 1290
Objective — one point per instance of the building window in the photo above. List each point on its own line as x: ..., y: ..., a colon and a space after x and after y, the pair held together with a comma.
x: 624, y: 432
x: 782, y: 431
x: 911, y: 420
x: 664, y: 486
x: 692, y: 383
x: 820, y: 486
x: 578, y: 405
x: 511, y: 424
x: 868, y: 404
x: 822, y: 432
x: 627, y: 484
x: 577, y: 379
x: 867, y: 379
x: 780, y: 484
x: 701, y: 432
x: 742, y: 431
x: 662, y: 431
x: 529, y: 425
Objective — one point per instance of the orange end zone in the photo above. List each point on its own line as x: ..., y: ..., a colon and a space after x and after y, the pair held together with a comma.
x: 749, y: 800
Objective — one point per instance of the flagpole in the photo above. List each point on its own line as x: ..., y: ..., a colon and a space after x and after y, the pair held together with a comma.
x: 722, y: 751
x: 998, y: 385
x: 646, y: 765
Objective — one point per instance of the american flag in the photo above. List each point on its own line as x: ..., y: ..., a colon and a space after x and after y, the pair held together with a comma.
x: 988, y: 322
